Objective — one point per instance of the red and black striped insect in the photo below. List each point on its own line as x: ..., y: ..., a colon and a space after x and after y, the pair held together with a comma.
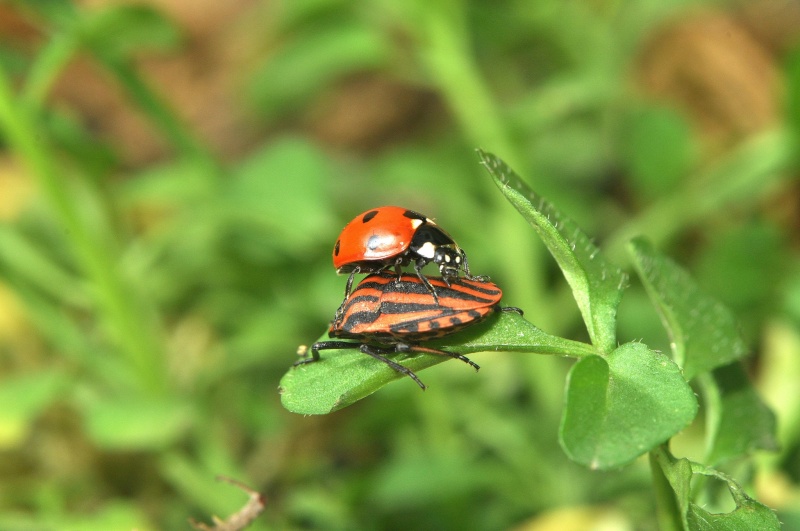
x: 388, y: 315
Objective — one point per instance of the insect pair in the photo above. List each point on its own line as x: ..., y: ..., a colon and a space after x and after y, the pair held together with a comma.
x: 392, y: 313
x: 392, y: 237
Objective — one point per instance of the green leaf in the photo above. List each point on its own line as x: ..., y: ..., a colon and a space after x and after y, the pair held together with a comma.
x: 275, y: 184
x: 597, y: 285
x: 792, y: 71
x: 738, y: 421
x: 314, y: 60
x: 169, y: 186
x: 747, y: 516
x: 21, y: 256
x: 22, y: 398
x: 195, y: 481
x: 622, y: 406
x: 271, y: 187
x: 122, y: 30
x: 136, y: 424
x: 343, y: 377
x: 112, y: 514
x: 658, y: 149
x: 702, y: 330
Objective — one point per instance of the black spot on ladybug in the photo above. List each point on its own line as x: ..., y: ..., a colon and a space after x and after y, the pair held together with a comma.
x: 368, y: 216
x: 414, y: 215
x: 336, y: 247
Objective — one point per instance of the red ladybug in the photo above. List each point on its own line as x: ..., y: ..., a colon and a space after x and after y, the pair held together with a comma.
x: 393, y: 236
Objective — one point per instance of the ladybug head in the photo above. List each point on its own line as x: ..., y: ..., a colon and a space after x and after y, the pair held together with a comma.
x: 449, y: 258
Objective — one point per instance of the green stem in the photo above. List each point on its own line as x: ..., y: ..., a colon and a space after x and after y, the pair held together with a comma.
x: 443, y: 44
x: 446, y: 51
x: 442, y: 37
x: 668, y: 512
x: 117, y: 305
x: 49, y: 64
x: 153, y: 106
x: 712, y: 400
x: 61, y: 48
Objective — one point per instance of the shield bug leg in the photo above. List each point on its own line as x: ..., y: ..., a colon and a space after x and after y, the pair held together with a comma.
x: 324, y: 345
x: 377, y: 353
x: 404, y: 347
x: 512, y: 309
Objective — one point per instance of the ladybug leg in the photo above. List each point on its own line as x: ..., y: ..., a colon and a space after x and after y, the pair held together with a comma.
x: 356, y: 270
x: 447, y: 275
x: 403, y: 347
x: 377, y: 353
x: 337, y: 317
x: 418, y: 265
x: 470, y: 276
x: 324, y: 345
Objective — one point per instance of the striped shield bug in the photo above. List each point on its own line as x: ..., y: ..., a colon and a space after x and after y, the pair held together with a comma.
x: 386, y: 315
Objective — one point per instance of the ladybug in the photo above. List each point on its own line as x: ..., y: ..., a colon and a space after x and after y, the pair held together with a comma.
x: 392, y: 236
x: 388, y: 315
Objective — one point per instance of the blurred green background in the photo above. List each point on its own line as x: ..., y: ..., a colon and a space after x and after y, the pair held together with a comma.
x: 173, y: 176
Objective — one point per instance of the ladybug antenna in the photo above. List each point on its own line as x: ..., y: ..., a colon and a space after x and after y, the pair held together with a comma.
x: 470, y: 276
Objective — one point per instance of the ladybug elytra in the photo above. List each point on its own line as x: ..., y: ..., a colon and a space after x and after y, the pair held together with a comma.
x: 389, y: 314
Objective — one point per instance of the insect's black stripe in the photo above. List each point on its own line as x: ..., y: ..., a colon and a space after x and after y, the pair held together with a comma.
x: 448, y: 299
x: 480, y: 287
x: 412, y: 307
x: 376, y: 283
x: 388, y: 289
x: 465, y: 286
x: 412, y: 284
x: 354, y: 319
x: 443, y: 292
x: 414, y: 324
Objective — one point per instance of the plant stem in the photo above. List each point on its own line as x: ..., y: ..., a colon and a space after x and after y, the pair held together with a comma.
x: 117, y: 305
x: 442, y: 39
x: 667, y: 511
x: 175, y: 131
x: 61, y: 48
x: 49, y: 64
